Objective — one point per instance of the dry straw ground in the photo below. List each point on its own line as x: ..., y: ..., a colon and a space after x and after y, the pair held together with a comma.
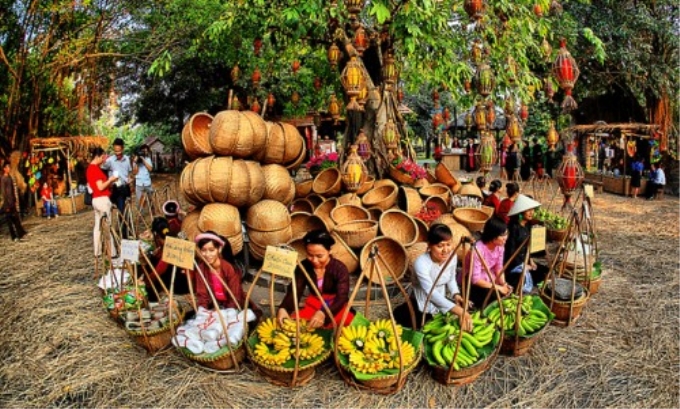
x: 60, y: 348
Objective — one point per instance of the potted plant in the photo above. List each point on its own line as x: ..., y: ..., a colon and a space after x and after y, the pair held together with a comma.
x: 407, y: 171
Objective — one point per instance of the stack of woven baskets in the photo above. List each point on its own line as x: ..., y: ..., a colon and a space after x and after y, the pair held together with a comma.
x: 240, y: 161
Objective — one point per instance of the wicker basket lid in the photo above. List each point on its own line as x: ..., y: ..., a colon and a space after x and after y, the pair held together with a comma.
x: 267, y: 215
x: 393, y: 257
x: 221, y: 218
x: 196, y: 135
x: 301, y: 223
x: 294, y: 142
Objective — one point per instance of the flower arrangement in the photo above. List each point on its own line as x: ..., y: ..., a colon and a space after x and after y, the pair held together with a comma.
x: 321, y: 162
x: 410, y: 168
x: 428, y: 213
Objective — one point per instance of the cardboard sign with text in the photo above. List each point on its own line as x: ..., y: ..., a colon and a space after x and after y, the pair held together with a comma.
x: 129, y: 250
x: 179, y: 252
x: 537, y: 239
x: 280, y: 261
x: 589, y: 191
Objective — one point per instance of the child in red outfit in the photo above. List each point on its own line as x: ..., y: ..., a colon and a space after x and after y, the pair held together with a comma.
x: 48, y: 201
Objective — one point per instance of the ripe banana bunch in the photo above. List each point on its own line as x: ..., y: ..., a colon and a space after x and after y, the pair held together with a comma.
x: 311, y: 346
x: 277, y: 343
x: 442, y: 335
x: 289, y: 327
x: 281, y: 341
x: 267, y: 330
x: 530, y: 319
x: 269, y: 356
x: 374, y: 348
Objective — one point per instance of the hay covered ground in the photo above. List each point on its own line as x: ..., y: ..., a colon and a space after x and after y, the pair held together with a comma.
x: 60, y: 348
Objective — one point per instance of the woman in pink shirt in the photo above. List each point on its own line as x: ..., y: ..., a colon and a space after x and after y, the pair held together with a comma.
x: 491, y: 248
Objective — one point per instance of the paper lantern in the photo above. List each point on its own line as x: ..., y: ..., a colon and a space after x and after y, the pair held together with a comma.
x: 353, y: 170
x: 566, y: 72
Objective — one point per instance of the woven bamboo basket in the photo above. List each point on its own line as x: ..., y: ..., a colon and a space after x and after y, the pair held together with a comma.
x: 196, y: 135
x: 447, y: 219
x: 350, y: 198
x: 463, y: 376
x: 220, y: 178
x: 421, y: 183
x: 256, y: 178
x: 473, y: 219
x: 366, y: 186
x: 383, y: 182
x: 258, y: 139
x: 324, y: 212
x: 384, y: 385
x: 295, y: 165
x: 185, y: 185
x: 489, y: 210
x: 438, y: 190
x: 357, y: 233
x: 218, y: 362
x: 156, y: 340
x: 200, y: 179
x: 445, y: 176
x: 375, y: 213
x: 301, y: 223
x: 221, y: 218
x: 238, y: 134
x: 328, y: 182
x: 304, y: 188
x: 557, y: 235
x: 267, y: 215
x: 271, y: 238
x: 275, y: 146
x: 294, y: 143
x: 437, y: 203
x: 414, y: 251
x: 409, y: 200
x: 190, y: 224
x: 277, y: 183
x: 459, y: 231
x: 400, y: 176
x: 315, y: 199
x: 302, y: 205
x: 236, y: 243
x: 394, y: 257
x: 561, y: 308
x: 348, y: 213
x: 382, y: 197
x: 521, y: 346
x: 238, y: 190
x: 423, y: 228
x: 256, y: 251
x: 470, y: 189
x: 400, y: 226
x: 299, y: 246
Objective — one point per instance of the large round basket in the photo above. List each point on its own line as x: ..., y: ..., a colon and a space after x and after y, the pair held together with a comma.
x: 267, y: 215
x: 196, y: 135
x: 517, y: 347
x: 489, y: 210
x: 185, y: 184
x: 423, y: 228
x: 328, y: 182
x: 399, y: 226
x: 366, y: 186
x: 303, y: 188
x: 295, y: 165
x: 222, y: 360
x: 444, y: 175
x: 315, y: 199
x: 409, y: 200
x: 384, y: 385
x: 256, y: 179
x: 190, y: 224
x: 220, y: 178
x: 357, y: 233
x: 302, y: 222
x: 436, y: 203
x: 593, y: 285
x: 238, y: 134
x: 459, y: 231
x: 375, y: 213
x: 382, y: 197
x: 294, y: 143
x: 473, y: 219
x: 156, y: 340
x: 200, y: 179
x: 224, y: 220
x: 383, y: 182
x: 349, y: 213
x: 561, y: 309
x: 414, y: 251
x: 400, y: 176
x: 270, y: 238
x: 324, y: 212
x: 301, y: 205
x: 470, y: 189
x: 436, y: 189
x: 464, y: 376
x: 557, y: 235
x: 256, y: 250
x: 278, y: 185
x: 274, y: 148
x: 392, y: 256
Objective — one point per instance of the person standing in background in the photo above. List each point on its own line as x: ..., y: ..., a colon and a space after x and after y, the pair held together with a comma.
x: 141, y: 168
x: 10, y: 204
x: 119, y: 165
x: 636, y: 175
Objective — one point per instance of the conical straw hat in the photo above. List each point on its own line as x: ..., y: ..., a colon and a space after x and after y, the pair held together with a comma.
x: 522, y: 204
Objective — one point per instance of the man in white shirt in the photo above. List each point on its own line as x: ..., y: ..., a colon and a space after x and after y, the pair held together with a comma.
x: 657, y: 182
x: 141, y: 168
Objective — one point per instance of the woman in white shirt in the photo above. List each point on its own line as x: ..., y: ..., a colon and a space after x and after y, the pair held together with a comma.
x: 427, y: 267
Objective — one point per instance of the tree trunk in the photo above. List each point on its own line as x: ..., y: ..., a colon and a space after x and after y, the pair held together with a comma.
x: 660, y: 113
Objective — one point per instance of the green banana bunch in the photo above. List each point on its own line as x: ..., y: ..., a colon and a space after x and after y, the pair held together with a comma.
x: 530, y: 319
x: 442, y: 335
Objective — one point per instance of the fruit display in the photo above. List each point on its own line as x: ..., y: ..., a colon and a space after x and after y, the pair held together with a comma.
x: 534, y: 315
x: 550, y: 219
x: 441, y: 340
x: 369, y: 349
x: 275, y: 345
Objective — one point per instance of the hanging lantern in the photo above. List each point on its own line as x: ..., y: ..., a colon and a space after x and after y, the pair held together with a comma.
x: 446, y: 115
x: 510, y: 108
x: 352, y: 77
x: 295, y: 66
x: 363, y: 146
x: 538, y: 10
x: 389, y: 71
x: 506, y: 141
x: 353, y: 170
x: 569, y: 175
x: 553, y: 136
x: 437, y: 120
x: 400, y: 95
x: 467, y: 85
x: 548, y: 89
x: 255, y: 106
x: 476, y: 51
x: 490, y: 114
x: 256, y: 77
x: 438, y: 153
x: 334, y: 108
x: 295, y: 98
x: 566, y: 71
x: 475, y: 9
x: 524, y: 112
x: 480, y: 116
x: 547, y: 49
x: 514, y: 129
x: 390, y: 135
x: 487, y: 152
x: 363, y: 94
x: 333, y: 55
x: 235, y: 73
x: 354, y: 7
x: 468, y: 120
x: 360, y: 40
x: 485, y: 80
x: 270, y: 100
x: 235, y: 104
x: 317, y: 83
x: 435, y: 96
x: 257, y: 46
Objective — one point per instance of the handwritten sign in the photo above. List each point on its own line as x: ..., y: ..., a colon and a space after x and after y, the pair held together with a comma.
x: 179, y: 252
x: 537, y: 239
x: 129, y: 250
x: 589, y: 191
x: 280, y: 261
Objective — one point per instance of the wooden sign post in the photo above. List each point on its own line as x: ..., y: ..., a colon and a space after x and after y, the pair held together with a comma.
x: 537, y: 239
x: 179, y: 252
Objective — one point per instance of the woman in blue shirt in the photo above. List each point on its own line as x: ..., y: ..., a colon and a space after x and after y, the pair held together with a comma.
x: 637, y: 167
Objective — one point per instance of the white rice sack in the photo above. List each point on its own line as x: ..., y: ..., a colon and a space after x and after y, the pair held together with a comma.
x: 229, y: 314
x: 209, y: 334
x: 210, y: 347
x: 249, y: 314
x: 195, y: 346
x: 193, y: 333
x: 179, y: 341
x: 235, y: 333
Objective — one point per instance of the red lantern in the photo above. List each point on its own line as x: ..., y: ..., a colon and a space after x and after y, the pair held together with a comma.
x: 360, y: 40
x: 438, y: 152
x: 467, y: 85
x: 475, y: 8
x: 295, y: 66
x: 569, y: 175
x: 256, y: 77
x: 270, y: 100
x: 437, y: 120
x: 255, y: 106
x: 566, y: 71
x: 524, y: 112
x: 446, y: 115
x: 538, y: 10
x: 257, y: 46
x: 490, y: 114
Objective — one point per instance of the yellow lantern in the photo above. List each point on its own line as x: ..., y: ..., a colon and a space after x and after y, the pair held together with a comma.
x: 334, y: 108
x: 480, y: 116
x: 389, y: 71
x: 514, y: 129
x: 487, y: 152
x: 333, y: 55
x: 390, y: 134
x: 354, y: 7
x: 352, y: 77
x: 353, y: 170
x: 553, y: 136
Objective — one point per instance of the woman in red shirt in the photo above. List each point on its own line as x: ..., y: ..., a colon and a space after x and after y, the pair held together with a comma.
x: 494, y: 199
x: 512, y: 190
x: 99, y: 184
